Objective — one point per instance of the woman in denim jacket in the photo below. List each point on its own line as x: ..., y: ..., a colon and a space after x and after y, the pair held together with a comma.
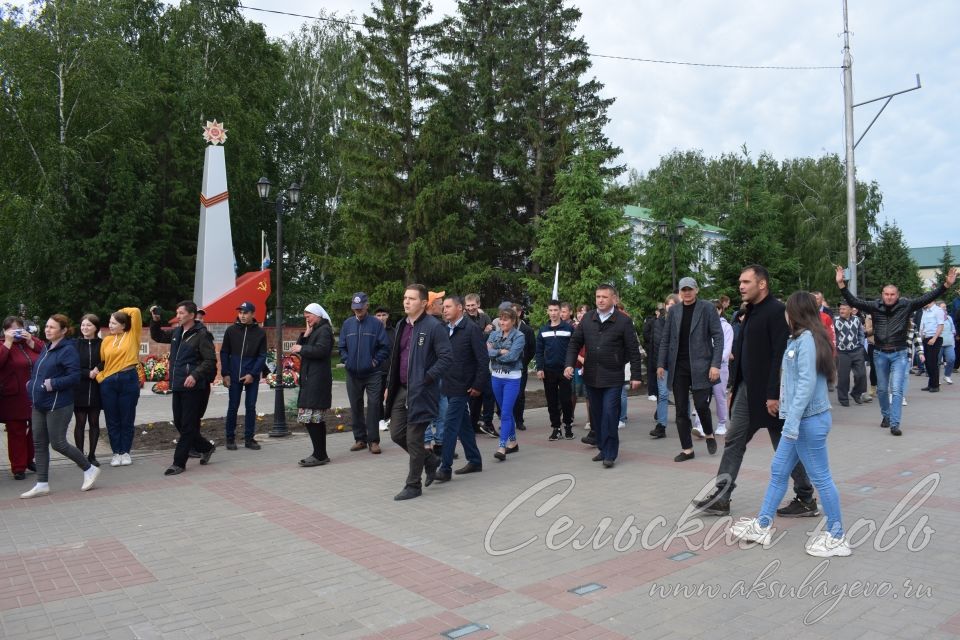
x: 505, y: 348
x: 805, y: 408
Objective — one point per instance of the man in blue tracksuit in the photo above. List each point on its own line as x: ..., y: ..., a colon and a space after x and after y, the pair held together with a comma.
x: 552, y: 343
x: 363, y: 348
x: 242, y: 356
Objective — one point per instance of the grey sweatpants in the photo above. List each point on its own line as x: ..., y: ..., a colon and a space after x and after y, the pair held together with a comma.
x: 50, y: 430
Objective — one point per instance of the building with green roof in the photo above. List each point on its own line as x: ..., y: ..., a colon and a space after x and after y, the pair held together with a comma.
x: 928, y: 261
x: 643, y: 224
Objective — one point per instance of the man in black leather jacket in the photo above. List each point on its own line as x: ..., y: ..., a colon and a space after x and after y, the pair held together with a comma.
x: 891, y: 315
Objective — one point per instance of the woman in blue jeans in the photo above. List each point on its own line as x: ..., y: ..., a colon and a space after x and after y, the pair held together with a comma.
x: 805, y: 407
x: 505, y: 349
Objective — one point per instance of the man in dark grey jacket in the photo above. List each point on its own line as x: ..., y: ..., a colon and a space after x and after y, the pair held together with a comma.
x: 691, y: 349
x: 419, y: 359
x: 611, y: 342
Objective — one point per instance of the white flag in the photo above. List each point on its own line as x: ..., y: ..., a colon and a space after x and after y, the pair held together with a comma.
x: 556, y: 283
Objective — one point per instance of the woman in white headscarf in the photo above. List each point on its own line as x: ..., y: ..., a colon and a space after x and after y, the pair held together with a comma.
x: 314, y: 346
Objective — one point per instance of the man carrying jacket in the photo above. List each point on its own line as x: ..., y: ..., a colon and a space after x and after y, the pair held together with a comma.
x: 552, y: 343
x: 691, y: 350
x: 242, y: 356
x: 363, y: 347
x: 418, y: 361
x: 193, y: 363
x: 466, y: 378
x: 891, y: 315
x: 610, y: 342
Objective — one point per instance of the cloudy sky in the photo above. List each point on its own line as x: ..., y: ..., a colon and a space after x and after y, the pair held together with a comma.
x: 911, y: 151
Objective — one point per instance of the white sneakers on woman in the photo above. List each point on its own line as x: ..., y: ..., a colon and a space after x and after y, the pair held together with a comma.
x: 125, y: 459
x: 826, y: 546
x: 89, y: 477
x: 749, y: 529
x: 39, y: 489
x: 115, y: 460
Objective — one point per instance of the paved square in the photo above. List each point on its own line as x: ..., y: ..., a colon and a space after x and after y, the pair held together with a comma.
x: 252, y: 546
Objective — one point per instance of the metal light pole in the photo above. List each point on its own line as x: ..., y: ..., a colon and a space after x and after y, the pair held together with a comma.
x: 674, y: 235
x: 291, y: 196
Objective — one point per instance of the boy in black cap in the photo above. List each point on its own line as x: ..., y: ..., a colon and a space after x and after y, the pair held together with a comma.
x: 242, y: 357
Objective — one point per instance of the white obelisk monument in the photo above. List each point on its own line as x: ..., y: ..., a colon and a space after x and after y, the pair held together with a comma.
x: 216, y: 270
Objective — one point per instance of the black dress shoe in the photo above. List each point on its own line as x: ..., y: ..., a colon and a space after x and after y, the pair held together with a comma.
x: 499, y: 456
x: 659, y: 431
x: 205, y: 456
x: 608, y: 464
x: 857, y: 399
x: 597, y: 458
x: 896, y: 431
x: 521, y: 427
x: 683, y: 457
x: 927, y: 388
x: 469, y: 468
x: 711, y: 445
x: 885, y: 423
x: 173, y: 470
x: 845, y: 404
x: 444, y: 476
x: 588, y: 439
x: 19, y: 475
x: 934, y: 389
x: 408, y: 493
x: 430, y: 467
x: 513, y: 449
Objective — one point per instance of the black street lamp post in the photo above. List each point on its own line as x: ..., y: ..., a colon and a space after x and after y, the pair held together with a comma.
x: 285, y: 199
x: 675, y: 233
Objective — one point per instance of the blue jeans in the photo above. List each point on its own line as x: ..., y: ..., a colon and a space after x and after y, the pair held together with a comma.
x: 663, y: 400
x: 457, y: 425
x: 891, y: 371
x: 434, y: 433
x: 119, y: 395
x: 604, y: 414
x: 810, y: 448
x: 249, y: 408
x: 623, y: 403
x: 505, y: 390
x: 949, y: 354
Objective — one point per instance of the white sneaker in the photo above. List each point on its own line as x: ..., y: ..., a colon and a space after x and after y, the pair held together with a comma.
x: 39, y: 489
x: 586, y: 427
x: 749, y: 529
x: 384, y: 425
x: 948, y: 380
x: 721, y: 429
x: 698, y: 432
x: 89, y: 477
x: 904, y: 402
x: 652, y: 398
x: 826, y: 546
x: 621, y: 424
x: 125, y: 459
x: 115, y: 460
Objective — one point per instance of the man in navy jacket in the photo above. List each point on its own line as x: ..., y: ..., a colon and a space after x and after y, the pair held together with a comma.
x: 552, y: 343
x: 363, y: 348
x: 466, y: 379
x: 420, y: 359
x: 242, y: 356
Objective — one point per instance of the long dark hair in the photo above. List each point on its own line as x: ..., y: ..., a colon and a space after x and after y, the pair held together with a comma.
x: 803, y: 314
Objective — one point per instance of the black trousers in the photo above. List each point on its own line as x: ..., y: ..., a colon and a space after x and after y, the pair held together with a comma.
x: 682, y: 387
x: 873, y: 369
x: 931, y: 358
x: 410, y: 437
x: 187, y: 409
x: 651, y: 372
x: 559, y: 392
x: 848, y: 361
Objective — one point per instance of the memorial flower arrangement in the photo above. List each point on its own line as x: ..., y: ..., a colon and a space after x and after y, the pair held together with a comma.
x: 156, y: 368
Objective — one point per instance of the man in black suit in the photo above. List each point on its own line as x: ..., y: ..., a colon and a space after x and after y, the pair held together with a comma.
x: 755, y: 400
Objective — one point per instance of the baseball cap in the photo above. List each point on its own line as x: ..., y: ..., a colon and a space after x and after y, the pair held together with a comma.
x: 505, y: 305
x: 688, y: 283
x: 246, y: 306
x: 359, y: 300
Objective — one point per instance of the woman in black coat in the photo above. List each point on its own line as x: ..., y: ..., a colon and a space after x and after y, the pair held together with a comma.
x: 86, y: 395
x: 314, y: 347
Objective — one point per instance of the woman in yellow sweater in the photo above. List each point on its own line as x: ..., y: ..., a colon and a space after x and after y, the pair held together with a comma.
x: 119, y: 382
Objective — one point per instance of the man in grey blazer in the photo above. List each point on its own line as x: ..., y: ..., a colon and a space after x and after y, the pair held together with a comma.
x: 690, y: 352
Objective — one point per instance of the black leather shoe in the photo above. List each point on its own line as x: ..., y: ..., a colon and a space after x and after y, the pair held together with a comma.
x: 20, y: 475
x: 659, y: 431
x: 252, y: 444
x: 173, y: 470
x: 934, y: 389
x: 32, y: 466
x: 857, y: 399
x: 896, y: 431
x: 683, y: 457
x: 589, y: 440
x: 430, y: 467
x: 597, y: 458
x: 205, y: 457
x: 408, y: 493
x: 845, y: 404
x: 608, y: 464
x: 714, y: 504
x: 927, y: 388
x: 513, y: 449
x: 231, y: 445
x: 711, y: 445
x: 444, y: 476
x: 469, y: 468
x: 885, y: 423
x: 499, y: 456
